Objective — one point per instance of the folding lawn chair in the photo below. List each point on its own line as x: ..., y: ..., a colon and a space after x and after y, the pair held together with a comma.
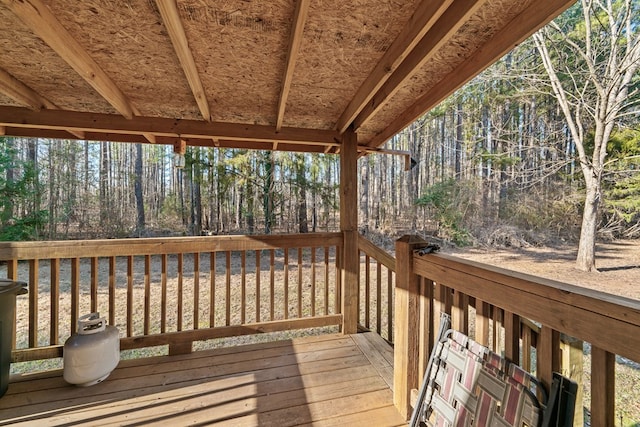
x: 467, y: 384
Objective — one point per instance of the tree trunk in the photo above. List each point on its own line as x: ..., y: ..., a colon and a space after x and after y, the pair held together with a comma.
x: 459, y: 136
x: 140, y: 220
x: 267, y: 192
x: 587, y: 245
x: 301, y: 182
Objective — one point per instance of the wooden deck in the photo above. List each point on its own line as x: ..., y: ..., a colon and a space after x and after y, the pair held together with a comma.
x: 326, y: 380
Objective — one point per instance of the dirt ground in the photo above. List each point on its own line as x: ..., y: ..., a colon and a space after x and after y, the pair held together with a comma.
x: 618, y: 264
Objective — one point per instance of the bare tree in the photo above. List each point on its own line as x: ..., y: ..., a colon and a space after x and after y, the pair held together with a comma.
x: 591, y: 63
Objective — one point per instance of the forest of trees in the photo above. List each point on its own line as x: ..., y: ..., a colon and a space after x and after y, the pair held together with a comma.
x: 498, y: 160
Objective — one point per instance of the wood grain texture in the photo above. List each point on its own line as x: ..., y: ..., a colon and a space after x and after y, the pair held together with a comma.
x: 323, y: 380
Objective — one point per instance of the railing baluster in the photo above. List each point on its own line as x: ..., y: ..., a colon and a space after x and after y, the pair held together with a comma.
x: 460, y: 312
x: 196, y: 290
x: 94, y: 284
x: 180, y: 286
x: 286, y: 283
x: 367, y: 293
x: 439, y: 306
x: 75, y: 293
x: 313, y: 281
x: 482, y: 322
x: 272, y: 275
x: 147, y: 294
x: 258, y: 255
x: 34, y: 266
x: 512, y: 337
x: 378, y: 297
x: 130, y: 321
x: 163, y: 292
x: 602, y: 387
x: 299, y: 282
x: 12, y: 274
x: 338, y: 287
x: 548, y: 355
x: 497, y: 327
x: 326, y: 280
x: 427, y: 337
x: 525, y: 361
x: 112, y: 290
x: 390, y: 305
x: 212, y: 289
x: 243, y: 287
x: 227, y: 296
x: 54, y: 289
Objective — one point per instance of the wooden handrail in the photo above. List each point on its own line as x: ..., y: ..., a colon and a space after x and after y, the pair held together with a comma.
x: 365, y: 245
x: 376, y: 299
x: 157, y: 296
x: 605, y: 320
x: 161, y: 245
x: 504, y: 309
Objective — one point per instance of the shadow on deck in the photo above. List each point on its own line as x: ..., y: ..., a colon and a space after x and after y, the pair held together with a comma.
x: 326, y: 380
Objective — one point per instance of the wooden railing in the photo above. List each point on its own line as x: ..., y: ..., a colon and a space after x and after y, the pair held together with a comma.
x: 502, y: 309
x: 377, y: 283
x: 173, y: 291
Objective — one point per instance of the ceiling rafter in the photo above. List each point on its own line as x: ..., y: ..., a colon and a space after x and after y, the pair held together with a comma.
x: 295, y: 40
x: 37, y: 16
x: 171, y: 18
x: 538, y: 13
x: 19, y: 92
x: 420, y: 22
x: 17, y: 117
x: 22, y: 93
x: 450, y: 21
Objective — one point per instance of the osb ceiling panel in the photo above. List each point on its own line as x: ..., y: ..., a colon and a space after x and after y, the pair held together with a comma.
x: 128, y: 41
x: 343, y: 41
x: 473, y: 35
x: 26, y: 57
x: 240, y: 51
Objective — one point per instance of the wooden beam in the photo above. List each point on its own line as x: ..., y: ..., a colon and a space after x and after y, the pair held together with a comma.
x: 437, y: 36
x: 349, y: 228
x: 3, y: 130
x: 167, y: 140
x: 406, y: 324
x: 162, y: 127
x: 420, y: 22
x: 22, y: 93
x: 171, y: 18
x: 521, y: 27
x: 37, y: 16
x: 299, y: 18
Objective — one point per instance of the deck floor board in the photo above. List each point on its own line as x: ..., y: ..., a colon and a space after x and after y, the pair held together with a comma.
x: 327, y: 380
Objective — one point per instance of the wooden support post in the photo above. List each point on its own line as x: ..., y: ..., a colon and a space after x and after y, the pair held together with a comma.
x: 349, y: 228
x: 406, y: 359
x: 602, y: 387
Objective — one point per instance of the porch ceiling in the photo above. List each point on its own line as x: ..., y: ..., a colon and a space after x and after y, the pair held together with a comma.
x: 278, y: 74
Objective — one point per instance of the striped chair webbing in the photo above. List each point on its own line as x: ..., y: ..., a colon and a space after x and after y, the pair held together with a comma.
x: 470, y: 385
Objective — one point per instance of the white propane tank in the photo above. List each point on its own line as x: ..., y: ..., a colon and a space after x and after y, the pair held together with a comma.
x: 92, y: 353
